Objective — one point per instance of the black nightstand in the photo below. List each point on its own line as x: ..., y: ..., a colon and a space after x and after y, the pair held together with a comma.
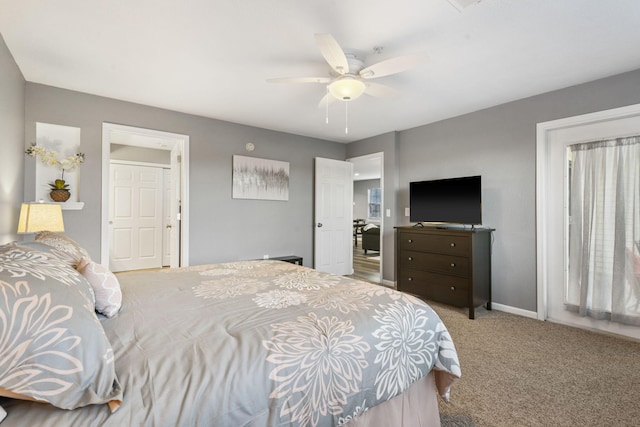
x: 293, y: 259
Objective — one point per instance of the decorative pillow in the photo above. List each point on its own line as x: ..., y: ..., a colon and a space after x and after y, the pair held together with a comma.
x: 55, y: 253
x: 50, y: 250
x: 63, y: 243
x: 105, y: 285
x: 53, y: 348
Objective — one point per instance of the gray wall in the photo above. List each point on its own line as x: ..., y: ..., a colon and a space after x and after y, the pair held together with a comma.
x: 221, y: 228
x: 500, y: 144
x: 12, y: 130
x: 361, y: 198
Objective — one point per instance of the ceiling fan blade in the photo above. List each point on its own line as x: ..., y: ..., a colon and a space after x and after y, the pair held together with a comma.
x: 300, y: 80
x: 391, y: 66
x: 328, y: 98
x: 380, y: 91
x: 333, y: 53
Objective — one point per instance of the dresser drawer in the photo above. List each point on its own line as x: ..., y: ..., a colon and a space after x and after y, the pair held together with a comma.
x: 448, y: 264
x: 439, y: 243
x: 438, y: 287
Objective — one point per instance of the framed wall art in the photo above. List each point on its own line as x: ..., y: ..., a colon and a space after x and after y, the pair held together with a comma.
x: 260, y: 179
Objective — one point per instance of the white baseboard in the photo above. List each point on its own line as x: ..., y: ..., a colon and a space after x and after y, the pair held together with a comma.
x: 514, y: 310
x: 494, y: 305
x: 389, y: 283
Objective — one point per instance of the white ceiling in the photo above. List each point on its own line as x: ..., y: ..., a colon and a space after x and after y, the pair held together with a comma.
x: 212, y: 57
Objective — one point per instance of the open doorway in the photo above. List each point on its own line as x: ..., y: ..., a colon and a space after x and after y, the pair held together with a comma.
x: 149, y: 146
x: 368, y: 208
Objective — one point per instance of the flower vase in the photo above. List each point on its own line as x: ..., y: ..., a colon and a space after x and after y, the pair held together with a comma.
x: 60, y: 195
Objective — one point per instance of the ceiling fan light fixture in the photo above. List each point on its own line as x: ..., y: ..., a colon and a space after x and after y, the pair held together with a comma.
x: 347, y: 88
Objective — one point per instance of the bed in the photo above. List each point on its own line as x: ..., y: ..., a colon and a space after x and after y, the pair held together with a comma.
x: 253, y: 343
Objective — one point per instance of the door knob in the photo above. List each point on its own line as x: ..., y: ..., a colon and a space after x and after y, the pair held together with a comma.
x: 319, y: 224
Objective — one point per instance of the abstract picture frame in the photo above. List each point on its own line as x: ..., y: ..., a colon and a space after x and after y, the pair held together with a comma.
x: 260, y: 179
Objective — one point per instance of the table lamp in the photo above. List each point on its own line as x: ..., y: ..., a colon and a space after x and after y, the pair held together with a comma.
x: 35, y: 217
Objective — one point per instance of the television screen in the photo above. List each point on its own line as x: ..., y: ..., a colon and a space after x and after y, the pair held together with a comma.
x: 453, y: 200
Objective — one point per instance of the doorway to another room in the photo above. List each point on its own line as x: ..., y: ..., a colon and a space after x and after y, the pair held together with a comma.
x: 144, y: 198
x: 367, y: 217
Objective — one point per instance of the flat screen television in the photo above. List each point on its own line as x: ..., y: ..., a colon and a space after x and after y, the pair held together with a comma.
x: 452, y: 200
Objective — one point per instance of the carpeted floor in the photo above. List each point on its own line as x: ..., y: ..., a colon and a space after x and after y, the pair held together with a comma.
x: 518, y: 371
x: 456, y: 420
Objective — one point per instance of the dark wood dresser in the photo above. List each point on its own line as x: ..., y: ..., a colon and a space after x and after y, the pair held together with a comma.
x: 452, y: 266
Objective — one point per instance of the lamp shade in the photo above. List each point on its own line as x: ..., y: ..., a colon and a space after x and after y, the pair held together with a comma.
x: 347, y: 88
x: 35, y: 217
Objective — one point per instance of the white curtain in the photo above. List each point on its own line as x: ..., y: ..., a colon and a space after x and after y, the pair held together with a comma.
x: 604, y: 230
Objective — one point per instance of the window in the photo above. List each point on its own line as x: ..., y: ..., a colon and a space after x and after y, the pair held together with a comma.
x: 374, y: 196
x: 604, y: 228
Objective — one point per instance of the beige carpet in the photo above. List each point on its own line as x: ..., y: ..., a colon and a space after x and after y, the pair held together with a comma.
x: 518, y: 371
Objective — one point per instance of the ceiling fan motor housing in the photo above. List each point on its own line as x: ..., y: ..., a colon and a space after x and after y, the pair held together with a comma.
x: 346, y: 88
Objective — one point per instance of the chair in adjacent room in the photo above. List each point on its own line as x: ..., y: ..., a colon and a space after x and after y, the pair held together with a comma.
x: 371, y: 238
x: 358, y: 224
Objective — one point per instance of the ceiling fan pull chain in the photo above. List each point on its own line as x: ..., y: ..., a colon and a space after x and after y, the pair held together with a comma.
x: 326, y: 120
x: 346, y: 118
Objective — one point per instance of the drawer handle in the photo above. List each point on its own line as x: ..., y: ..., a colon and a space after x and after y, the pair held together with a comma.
x: 410, y: 258
x: 410, y: 279
x: 453, y: 265
x: 410, y: 240
x: 453, y: 288
x: 453, y: 245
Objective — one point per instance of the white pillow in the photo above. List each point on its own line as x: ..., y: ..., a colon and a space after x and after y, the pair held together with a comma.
x: 105, y: 286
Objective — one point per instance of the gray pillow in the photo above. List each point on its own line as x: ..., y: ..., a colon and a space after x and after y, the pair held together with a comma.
x: 54, y: 348
x: 66, y: 257
x: 64, y: 243
x: 63, y: 256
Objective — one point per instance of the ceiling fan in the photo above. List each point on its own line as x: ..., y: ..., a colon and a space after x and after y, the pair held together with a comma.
x: 349, y: 76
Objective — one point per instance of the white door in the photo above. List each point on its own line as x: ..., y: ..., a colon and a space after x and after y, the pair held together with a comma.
x: 333, y: 216
x: 167, y: 224
x: 135, y: 217
x: 175, y: 204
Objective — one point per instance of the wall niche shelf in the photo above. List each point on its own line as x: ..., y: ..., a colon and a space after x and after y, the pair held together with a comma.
x: 71, y: 206
x: 65, y: 142
x: 65, y: 206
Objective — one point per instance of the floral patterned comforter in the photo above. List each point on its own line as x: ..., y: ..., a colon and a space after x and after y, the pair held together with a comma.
x: 259, y: 343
